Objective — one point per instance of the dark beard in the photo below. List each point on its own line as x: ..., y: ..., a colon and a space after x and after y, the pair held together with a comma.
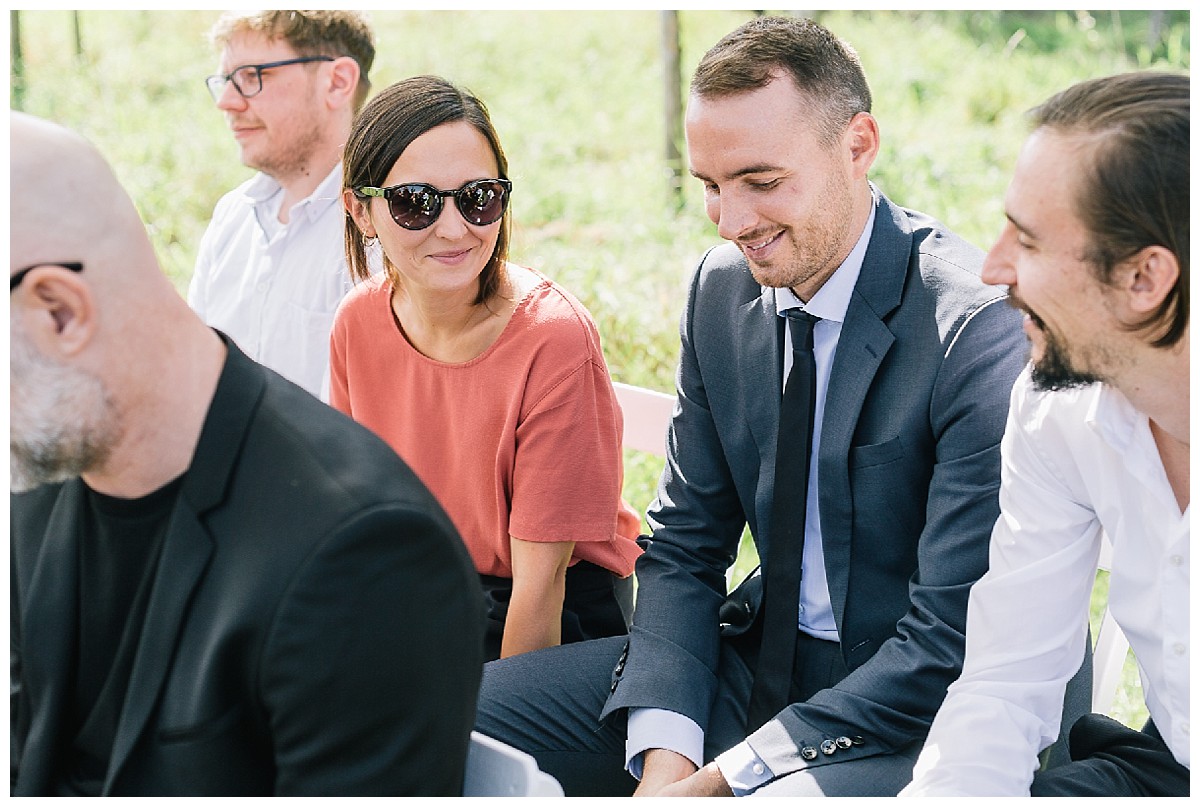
x: 1053, y: 371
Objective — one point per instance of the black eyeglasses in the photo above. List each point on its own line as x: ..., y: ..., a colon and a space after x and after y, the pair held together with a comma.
x: 247, y: 79
x: 417, y: 205
x: 16, y: 278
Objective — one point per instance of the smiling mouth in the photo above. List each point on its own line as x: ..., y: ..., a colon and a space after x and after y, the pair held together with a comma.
x: 1019, y: 304
x: 753, y: 247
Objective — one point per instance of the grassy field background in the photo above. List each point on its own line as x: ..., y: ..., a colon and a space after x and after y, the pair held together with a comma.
x: 578, y: 100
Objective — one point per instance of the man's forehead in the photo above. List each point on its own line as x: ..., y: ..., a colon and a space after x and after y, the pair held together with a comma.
x: 252, y: 47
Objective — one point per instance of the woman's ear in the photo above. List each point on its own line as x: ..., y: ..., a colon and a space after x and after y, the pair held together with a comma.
x: 359, y: 212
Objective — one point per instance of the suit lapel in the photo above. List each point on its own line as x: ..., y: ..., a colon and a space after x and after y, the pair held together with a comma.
x: 48, y: 630
x: 185, y: 555
x: 187, y: 546
x: 864, y: 342
x: 757, y: 340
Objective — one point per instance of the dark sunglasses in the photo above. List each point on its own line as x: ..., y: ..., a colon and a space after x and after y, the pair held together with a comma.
x: 416, y: 205
x: 16, y: 278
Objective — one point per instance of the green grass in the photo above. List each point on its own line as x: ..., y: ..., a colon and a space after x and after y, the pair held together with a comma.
x: 577, y: 99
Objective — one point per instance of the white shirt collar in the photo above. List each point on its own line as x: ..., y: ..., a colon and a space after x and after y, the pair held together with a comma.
x: 262, y: 189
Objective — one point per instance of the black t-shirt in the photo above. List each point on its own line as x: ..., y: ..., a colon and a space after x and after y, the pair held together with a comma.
x: 119, y: 546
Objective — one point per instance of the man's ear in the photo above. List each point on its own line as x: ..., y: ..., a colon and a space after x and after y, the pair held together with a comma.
x: 1147, y: 279
x: 61, y: 310
x: 358, y: 211
x: 343, y: 81
x: 861, y: 140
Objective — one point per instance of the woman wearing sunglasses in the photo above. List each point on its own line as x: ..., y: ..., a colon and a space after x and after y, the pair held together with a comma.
x: 485, y: 376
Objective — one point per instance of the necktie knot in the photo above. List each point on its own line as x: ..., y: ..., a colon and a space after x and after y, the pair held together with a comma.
x: 801, y: 324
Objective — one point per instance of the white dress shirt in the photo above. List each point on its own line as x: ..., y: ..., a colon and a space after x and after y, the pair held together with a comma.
x: 274, y: 288
x: 1076, y: 464
x: 657, y: 728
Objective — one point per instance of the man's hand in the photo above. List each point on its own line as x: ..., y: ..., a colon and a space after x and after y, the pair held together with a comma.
x: 661, y: 768
x: 707, y: 781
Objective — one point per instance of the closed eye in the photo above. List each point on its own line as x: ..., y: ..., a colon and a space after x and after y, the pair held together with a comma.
x: 765, y: 185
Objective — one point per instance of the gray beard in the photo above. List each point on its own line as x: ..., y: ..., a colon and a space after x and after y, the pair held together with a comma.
x: 62, y: 421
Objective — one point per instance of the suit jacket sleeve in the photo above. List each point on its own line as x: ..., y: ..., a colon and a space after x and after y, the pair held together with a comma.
x: 321, y: 681
x: 697, y: 522
x: 890, y: 699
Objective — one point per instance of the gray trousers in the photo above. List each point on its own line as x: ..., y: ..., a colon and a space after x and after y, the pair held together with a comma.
x: 1110, y: 759
x: 548, y: 703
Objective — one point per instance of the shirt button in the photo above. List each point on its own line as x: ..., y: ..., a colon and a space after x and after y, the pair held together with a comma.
x: 1177, y: 560
x: 758, y: 769
x: 1180, y: 648
x: 1186, y: 728
x: 261, y: 287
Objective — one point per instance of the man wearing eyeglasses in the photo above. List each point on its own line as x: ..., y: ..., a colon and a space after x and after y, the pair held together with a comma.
x: 270, y: 270
x: 213, y: 574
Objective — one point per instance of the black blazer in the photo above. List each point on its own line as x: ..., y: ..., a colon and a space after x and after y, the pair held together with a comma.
x: 909, y: 477
x: 315, y: 624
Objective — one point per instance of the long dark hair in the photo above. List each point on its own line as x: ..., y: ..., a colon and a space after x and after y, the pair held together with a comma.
x: 385, y: 128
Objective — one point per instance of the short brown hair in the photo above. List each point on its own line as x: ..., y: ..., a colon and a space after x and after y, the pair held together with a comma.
x: 385, y: 128
x: 311, y: 33
x: 1134, y: 189
x: 825, y: 69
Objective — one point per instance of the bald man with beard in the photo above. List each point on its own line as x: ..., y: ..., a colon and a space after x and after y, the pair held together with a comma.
x: 212, y: 573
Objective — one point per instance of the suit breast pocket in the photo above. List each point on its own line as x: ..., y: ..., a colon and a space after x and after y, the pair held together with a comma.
x: 876, y: 453
x: 218, y: 756
x: 205, y: 729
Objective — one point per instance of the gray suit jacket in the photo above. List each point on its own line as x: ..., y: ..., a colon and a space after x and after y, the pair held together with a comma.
x: 315, y: 625
x: 909, y: 473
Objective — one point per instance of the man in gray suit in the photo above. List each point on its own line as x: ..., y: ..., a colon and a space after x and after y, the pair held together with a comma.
x: 914, y: 359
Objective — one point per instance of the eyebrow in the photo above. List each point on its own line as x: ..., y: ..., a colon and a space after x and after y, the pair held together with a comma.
x: 1023, y: 228
x: 741, y: 172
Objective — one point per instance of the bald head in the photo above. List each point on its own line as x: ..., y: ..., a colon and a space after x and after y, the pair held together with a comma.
x: 67, y: 205
x: 111, y: 373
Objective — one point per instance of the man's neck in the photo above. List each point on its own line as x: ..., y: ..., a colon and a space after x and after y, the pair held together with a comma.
x: 163, y: 418
x: 300, y: 185
x: 1157, y: 384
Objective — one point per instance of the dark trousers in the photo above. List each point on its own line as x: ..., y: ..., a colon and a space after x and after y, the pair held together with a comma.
x: 548, y: 703
x: 596, y: 604
x: 1110, y: 759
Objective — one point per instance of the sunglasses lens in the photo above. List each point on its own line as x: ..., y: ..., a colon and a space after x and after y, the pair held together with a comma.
x: 482, y: 202
x: 415, y: 207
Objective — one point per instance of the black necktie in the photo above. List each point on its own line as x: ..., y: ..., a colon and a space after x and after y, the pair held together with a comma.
x: 781, y: 571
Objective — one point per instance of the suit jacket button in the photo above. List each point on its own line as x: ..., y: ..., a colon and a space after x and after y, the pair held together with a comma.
x: 857, y: 740
x: 612, y: 688
x: 828, y: 747
x: 808, y: 752
x: 620, y: 668
x: 844, y: 742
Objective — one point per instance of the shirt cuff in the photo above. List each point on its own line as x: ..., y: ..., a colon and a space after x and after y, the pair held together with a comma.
x: 743, y: 769
x: 661, y: 728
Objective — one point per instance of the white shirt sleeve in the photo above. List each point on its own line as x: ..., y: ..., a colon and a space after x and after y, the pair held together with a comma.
x: 198, y: 285
x: 1026, y: 620
x: 743, y: 769
x: 661, y: 728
